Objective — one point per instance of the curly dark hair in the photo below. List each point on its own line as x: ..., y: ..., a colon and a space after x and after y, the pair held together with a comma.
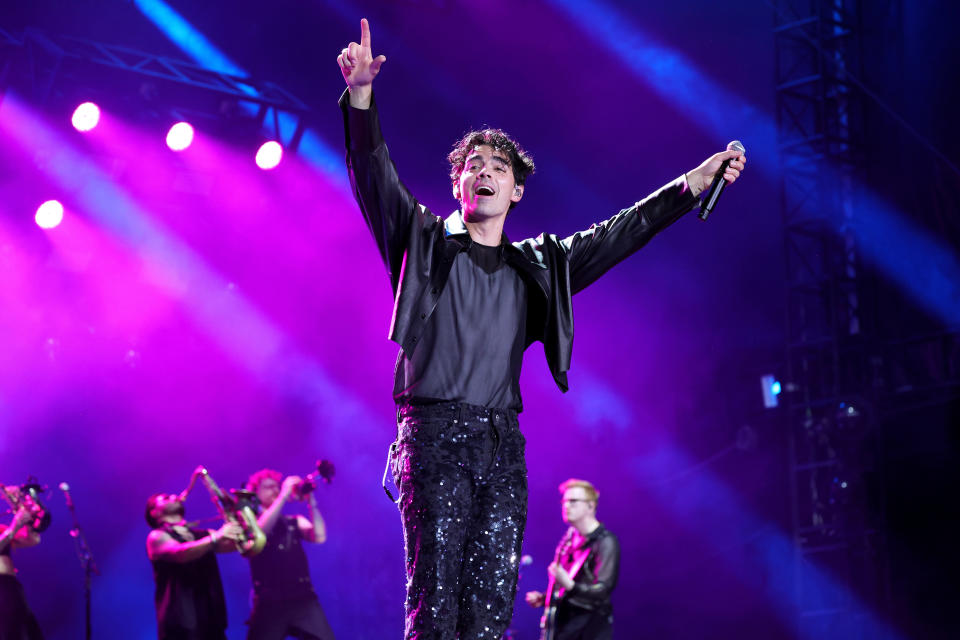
x: 520, y: 160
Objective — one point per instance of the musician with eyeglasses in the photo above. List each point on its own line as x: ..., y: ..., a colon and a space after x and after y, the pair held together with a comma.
x: 189, y: 592
x: 284, y: 601
x: 583, y: 573
x: 16, y: 618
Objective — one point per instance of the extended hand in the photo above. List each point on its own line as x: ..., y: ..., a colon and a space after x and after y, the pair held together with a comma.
x: 535, y: 598
x: 701, y: 177
x: 356, y: 61
x: 22, y: 517
x: 230, y: 531
x: 290, y: 484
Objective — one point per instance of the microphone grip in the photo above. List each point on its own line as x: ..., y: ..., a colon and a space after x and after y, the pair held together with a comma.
x: 713, y: 194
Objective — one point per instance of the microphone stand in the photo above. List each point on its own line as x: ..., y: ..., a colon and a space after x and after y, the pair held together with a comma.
x: 86, y: 561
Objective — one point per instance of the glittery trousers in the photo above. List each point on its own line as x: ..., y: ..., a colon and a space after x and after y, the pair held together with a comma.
x: 462, y: 477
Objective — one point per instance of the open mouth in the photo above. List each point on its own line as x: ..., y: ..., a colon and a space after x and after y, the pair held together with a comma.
x: 484, y: 190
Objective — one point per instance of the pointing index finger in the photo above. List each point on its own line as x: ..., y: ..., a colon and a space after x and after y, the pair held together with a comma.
x: 364, y: 33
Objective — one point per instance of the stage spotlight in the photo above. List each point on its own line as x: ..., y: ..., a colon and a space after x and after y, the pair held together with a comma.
x: 49, y: 214
x: 180, y: 136
x: 269, y: 155
x: 85, y: 117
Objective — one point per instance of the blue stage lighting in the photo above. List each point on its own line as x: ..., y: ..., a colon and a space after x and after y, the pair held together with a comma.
x: 771, y: 389
x: 921, y: 264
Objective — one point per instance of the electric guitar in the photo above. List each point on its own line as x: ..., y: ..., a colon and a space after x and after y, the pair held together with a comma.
x: 548, y: 623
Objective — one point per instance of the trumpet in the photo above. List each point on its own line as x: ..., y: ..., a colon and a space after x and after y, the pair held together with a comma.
x: 236, y: 506
x: 325, y: 470
x: 28, y: 495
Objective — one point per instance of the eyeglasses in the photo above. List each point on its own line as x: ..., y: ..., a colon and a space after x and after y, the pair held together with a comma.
x: 573, y: 500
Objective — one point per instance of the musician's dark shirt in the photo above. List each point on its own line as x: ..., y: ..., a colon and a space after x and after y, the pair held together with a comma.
x: 189, y: 595
x: 280, y: 571
x: 472, y: 346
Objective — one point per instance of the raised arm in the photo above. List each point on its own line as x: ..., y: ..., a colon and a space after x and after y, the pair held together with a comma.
x: 593, y: 252
x: 387, y: 206
x: 19, y: 534
x: 315, y: 529
x: 268, y: 517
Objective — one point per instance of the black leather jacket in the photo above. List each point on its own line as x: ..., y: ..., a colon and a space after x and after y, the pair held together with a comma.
x: 419, y: 248
x: 596, y: 579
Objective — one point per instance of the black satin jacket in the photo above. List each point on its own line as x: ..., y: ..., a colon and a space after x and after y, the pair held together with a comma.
x: 419, y: 248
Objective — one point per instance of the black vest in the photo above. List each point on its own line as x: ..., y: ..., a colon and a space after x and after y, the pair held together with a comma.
x: 189, y: 595
x: 280, y: 571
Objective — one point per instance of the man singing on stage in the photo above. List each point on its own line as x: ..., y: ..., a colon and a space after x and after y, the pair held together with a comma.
x: 284, y: 601
x: 583, y: 573
x: 468, y: 302
x: 189, y: 593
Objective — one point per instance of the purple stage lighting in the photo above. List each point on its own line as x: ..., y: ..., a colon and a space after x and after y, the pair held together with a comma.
x: 49, y: 214
x: 85, y: 117
x: 180, y: 136
x: 269, y: 155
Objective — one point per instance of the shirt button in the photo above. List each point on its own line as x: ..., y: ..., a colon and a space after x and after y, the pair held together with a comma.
x: 422, y: 316
x: 434, y: 290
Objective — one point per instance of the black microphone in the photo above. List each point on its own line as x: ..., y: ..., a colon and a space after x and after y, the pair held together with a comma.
x: 66, y: 494
x: 716, y: 188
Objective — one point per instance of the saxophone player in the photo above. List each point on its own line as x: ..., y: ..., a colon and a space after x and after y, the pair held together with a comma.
x: 16, y: 618
x: 189, y: 593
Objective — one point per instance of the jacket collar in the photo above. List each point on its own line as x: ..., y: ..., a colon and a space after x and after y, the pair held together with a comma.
x: 454, y: 225
x: 455, y: 228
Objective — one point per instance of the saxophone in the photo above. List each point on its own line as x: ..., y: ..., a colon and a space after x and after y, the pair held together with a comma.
x: 235, y: 506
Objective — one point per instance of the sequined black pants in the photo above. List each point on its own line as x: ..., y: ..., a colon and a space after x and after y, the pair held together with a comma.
x: 463, y: 500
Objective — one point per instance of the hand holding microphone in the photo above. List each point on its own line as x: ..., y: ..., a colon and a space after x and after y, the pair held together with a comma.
x: 734, y: 155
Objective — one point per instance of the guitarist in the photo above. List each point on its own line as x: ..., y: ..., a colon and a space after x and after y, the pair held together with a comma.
x: 583, y: 573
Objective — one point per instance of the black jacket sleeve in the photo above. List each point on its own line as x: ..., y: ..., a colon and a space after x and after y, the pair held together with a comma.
x: 605, y: 569
x: 387, y: 206
x: 593, y: 252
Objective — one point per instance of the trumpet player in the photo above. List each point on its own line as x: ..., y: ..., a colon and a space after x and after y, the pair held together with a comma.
x: 189, y: 593
x: 16, y: 618
x: 284, y: 602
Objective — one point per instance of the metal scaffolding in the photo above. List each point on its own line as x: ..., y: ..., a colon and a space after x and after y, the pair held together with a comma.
x: 41, y: 62
x: 833, y: 357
